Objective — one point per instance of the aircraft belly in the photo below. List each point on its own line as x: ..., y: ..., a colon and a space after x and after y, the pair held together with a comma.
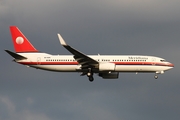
x: 140, y: 68
x: 118, y: 68
x: 58, y: 68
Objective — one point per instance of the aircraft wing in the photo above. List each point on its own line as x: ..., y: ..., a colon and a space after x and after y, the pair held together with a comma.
x: 81, y: 58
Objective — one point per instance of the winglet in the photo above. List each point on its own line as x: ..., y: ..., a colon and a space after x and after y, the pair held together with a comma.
x: 61, y: 40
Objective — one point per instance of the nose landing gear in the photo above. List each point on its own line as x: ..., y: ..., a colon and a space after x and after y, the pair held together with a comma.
x: 156, y: 76
x: 158, y: 72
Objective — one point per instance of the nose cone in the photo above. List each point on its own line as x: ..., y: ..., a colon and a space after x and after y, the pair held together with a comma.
x: 171, y: 65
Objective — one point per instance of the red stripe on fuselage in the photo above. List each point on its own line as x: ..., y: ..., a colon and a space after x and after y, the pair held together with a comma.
x: 145, y: 63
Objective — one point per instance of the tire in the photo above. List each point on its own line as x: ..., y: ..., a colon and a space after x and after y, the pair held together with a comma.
x: 156, y: 77
x: 91, y: 79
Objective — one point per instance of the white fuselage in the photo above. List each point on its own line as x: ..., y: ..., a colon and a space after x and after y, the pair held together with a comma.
x: 106, y: 66
x: 123, y: 63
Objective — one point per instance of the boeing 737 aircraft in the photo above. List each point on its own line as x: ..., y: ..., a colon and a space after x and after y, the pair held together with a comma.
x: 105, y: 66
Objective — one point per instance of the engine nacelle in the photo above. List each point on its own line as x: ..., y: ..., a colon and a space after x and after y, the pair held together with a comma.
x: 107, y: 67
x: 112, y: 75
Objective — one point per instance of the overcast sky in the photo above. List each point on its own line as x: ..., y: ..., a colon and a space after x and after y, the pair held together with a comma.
x: 145, y: 27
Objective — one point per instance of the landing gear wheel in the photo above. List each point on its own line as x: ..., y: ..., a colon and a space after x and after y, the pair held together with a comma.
x: 156, y: 77
x: 91, y: 79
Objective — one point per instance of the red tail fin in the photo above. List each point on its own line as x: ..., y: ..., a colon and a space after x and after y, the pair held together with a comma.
x: 21, y: 43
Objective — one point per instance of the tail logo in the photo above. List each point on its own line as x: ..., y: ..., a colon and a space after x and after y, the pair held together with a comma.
x: 19, y: 40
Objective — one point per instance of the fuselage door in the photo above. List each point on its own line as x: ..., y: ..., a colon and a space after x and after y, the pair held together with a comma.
x: 153, y: 61
x: 38, y: 60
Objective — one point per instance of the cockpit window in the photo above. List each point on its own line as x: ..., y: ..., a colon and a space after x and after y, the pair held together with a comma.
x: 163, y: 60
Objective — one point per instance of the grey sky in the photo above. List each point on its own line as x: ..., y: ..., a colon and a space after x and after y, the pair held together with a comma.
x: 147, y: 27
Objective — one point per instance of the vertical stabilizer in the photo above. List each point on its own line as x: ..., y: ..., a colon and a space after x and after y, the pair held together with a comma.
x: 21, y: 43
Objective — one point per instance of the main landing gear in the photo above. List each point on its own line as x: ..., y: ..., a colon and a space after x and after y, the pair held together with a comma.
x: 91, y: 79
x: 90, y: 75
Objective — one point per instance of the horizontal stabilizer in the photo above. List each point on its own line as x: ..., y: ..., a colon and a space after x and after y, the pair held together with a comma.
x: 15, y: 55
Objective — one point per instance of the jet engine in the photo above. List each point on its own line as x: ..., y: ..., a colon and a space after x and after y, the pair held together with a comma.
x: 107, y: 67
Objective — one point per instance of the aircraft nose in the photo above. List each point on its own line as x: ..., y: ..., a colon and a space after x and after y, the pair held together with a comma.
x: 171, y: 65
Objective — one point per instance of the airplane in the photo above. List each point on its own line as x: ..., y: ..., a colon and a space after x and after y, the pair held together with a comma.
x: 105, y: 66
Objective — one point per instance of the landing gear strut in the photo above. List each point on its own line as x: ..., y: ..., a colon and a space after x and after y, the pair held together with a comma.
x: 156, y: 76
